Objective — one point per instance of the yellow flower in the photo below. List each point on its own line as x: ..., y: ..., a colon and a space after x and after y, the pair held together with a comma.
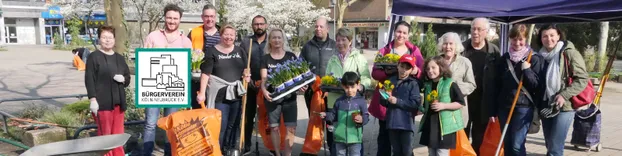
x: 432, y: 96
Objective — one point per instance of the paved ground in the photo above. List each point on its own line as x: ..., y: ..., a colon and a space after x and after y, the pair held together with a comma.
x: 34, y: 71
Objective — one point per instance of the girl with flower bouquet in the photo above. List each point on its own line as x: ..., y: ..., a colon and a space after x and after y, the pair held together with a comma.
x: 442, y: 116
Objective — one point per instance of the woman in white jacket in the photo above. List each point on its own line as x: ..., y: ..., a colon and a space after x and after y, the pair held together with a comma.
x: 450, y: 47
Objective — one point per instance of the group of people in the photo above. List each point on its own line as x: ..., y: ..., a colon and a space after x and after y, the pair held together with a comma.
x: 472, y: 73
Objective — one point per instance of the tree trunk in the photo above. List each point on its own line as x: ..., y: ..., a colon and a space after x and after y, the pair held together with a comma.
x: 114, y: 17
x: 531, y: 26
x: 602, y: 45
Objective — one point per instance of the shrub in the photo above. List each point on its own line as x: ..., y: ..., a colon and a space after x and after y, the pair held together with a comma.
x: 428, y: 45
x: 132, y: 113
x: 34, y: 112
x: 80, y: 107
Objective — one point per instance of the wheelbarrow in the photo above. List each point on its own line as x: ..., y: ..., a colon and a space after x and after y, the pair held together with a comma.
x: 98, y: 145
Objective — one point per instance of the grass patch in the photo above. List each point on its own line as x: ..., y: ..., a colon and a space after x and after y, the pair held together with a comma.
x: 65, y: 118
x: 3, y: 48
x: 69, y: 47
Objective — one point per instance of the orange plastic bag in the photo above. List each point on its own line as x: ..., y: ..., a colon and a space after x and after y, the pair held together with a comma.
x: 315, y: 128
x: 78, y: 63
x: 264, y: 124
x: 463, y: 146
x: 193, y: 132
x: 491, y: 139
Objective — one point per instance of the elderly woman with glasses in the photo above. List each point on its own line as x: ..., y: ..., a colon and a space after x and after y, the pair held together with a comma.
x: 450, y: 48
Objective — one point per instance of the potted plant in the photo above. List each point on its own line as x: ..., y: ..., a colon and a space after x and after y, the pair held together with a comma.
x: 331, y: 84
x: 388, y: 60
x: 197, y: 60
x: 385, y: 89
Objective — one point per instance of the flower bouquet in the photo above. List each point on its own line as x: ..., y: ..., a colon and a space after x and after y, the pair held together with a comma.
x: 385, y: 89
x: 289, y: 77
x: 388, y: 60
x: 331, y: 84
x: 432, y: 97
x: 197, y: 60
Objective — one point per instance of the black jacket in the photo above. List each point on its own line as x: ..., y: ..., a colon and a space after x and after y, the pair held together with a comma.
x: 318, y: 54
x: 487, y: 86
x: 399, y: 115
x: 99, y: 82
x: 258, y: 53
x: 507, y: 85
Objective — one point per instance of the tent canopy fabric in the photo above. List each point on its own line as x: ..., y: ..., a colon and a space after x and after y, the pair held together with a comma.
x: 520, y: 11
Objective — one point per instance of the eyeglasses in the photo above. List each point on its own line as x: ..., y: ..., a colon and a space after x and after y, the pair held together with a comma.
x: 478, y: 29
x: 258, y: 24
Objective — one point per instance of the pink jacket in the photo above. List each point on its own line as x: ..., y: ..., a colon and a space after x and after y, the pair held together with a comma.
x: 375, y: 109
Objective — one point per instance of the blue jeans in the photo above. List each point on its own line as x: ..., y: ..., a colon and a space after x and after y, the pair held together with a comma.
x: 344, y: 149
x: 230, y: 123
x: 555, y: 130
x: 152, y: 115
x: 517, y: 130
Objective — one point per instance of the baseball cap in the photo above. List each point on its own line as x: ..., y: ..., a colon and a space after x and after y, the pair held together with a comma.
x: 408, y: 59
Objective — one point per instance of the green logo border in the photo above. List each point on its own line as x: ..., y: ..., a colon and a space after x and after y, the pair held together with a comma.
x: 188, y: 51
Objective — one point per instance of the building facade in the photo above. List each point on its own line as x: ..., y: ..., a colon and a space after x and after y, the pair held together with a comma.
x: 21, y: 22
x: 369, y: 19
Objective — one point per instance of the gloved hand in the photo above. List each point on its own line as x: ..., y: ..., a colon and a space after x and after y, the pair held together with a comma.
x: 119, y: 78
x: 94, y: 106
x: 551, y: 111
x: 525, y: 65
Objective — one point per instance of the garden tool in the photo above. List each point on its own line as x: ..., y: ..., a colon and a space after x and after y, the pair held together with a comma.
x: 507, y: 122
x: 236, y: 151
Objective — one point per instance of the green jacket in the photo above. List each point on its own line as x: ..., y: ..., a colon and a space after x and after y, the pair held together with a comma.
x: 579, y: 78
x: 355, y: 62
x: 451, y: 120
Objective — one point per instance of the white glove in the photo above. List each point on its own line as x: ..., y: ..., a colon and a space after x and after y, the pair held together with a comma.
x: 119, y: 78
x: 525, y: 65
x: 94, y: 106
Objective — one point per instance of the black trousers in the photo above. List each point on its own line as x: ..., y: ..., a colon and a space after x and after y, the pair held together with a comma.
x: 251, y: 111
x: 383, y: 139
x: 478, y: 120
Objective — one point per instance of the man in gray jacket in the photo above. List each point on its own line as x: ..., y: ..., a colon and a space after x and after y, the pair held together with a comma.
x: 482, y: 55
x: 317, y: 52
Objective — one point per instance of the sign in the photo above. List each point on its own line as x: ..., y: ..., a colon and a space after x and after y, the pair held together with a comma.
x: 380, y: 24
x: 52, y: 22
x: 53, y: 12
x: 163, y: 77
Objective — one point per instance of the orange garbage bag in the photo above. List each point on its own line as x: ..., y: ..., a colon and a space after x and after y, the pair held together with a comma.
x: 463, y: 146
x: 491, y: 138
x: 264, y: 124
x: 78, y: 63
x: 193, y: 132
x: 315, y: 128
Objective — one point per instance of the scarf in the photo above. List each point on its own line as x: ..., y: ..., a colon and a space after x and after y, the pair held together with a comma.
x: 553, y: 81
x: 516, y: 56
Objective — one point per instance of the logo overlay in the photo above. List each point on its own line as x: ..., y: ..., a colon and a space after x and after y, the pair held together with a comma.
x: 162, y: 77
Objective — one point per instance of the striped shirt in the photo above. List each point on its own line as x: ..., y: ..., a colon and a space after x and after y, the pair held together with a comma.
x: 157, y: 39
x: 208, y: 40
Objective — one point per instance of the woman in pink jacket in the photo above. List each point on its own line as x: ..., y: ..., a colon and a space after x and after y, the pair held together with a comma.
x: 400, y: 46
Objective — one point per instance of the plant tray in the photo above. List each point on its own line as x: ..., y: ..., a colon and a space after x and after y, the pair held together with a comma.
x: 333, y: 89
x: 385, y: 65
x: 288, y: 90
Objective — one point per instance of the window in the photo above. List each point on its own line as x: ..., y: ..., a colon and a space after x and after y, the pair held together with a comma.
x: 10, y: 21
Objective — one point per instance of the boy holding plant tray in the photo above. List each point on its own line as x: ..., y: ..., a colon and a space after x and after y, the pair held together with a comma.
x: 349, y: 115
x: 401, y: 100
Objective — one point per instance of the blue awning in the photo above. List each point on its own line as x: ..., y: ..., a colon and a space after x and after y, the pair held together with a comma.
x: 53, y: 12
x: 522, y: 11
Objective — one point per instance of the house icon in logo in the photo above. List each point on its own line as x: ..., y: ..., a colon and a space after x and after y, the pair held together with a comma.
x: 163, y: 74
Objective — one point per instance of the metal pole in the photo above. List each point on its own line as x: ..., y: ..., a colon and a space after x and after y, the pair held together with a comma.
x: 5, y: 127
